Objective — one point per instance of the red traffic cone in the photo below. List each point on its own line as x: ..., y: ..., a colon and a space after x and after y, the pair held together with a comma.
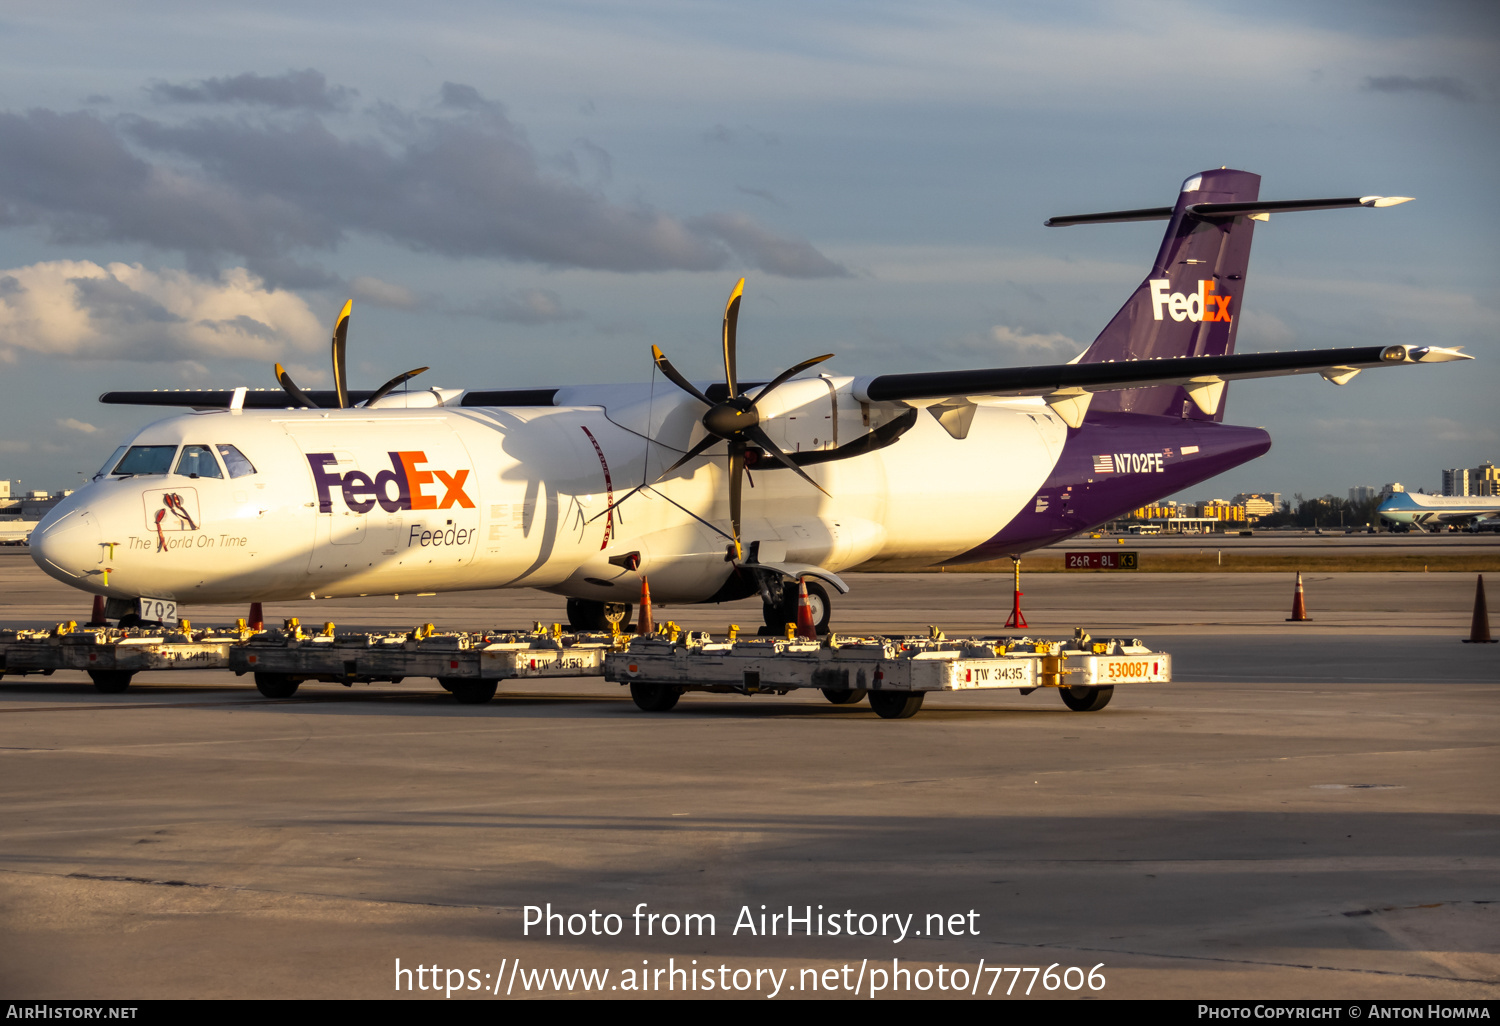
x: 257, y: 620
x: 1479, y: 632
x: 645, y: 626
x: 1299, y: 606
x: 805, y: 626
x: 98, y: 619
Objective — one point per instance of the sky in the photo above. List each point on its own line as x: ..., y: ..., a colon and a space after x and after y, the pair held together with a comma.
x: 532, y: 194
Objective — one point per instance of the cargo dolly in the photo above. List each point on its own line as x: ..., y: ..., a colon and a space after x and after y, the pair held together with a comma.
x: 111, y: 657
x: 895, y: 673
x: 470, y: 665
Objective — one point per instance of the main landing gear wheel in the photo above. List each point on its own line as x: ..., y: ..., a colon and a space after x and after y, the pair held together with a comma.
x: 778, y: 616
x: 896, y: 705
x: 111, y: 682
x: 654, y: 697
x: 470, y: 692
x: 276, y: 685
x: 1086, y: 699
x: 844, y: 696
x: 587, y: 615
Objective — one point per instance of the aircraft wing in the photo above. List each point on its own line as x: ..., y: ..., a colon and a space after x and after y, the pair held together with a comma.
x: 1068, y: 387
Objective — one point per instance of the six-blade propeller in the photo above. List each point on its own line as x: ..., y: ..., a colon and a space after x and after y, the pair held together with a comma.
x: 340, y: 378
x: 735, y: 421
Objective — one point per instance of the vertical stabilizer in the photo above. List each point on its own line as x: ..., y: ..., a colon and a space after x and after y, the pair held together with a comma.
x: 1189, y: 305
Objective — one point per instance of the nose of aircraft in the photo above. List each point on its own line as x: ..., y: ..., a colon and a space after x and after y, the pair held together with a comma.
x: 67, y: 544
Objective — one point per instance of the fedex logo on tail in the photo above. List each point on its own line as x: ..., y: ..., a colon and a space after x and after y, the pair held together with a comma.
x: 405, y: 486
x: 1203, y: 305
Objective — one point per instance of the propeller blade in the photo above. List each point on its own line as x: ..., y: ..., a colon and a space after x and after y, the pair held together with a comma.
x: 759, y: 437
x: 340, y: 335
x: 396, y: 382
x: 708, y: 442
x: 672, y: 375
x: 731, y: 322
x: 736, y: 478
x: 292, y: 390
x: 790, y: 373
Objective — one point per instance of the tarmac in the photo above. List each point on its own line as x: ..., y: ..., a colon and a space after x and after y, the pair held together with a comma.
x: 1308, y: 811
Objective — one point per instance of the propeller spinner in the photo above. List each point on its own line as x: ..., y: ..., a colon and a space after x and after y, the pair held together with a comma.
x: 736, y: 420
x: 340, y: 377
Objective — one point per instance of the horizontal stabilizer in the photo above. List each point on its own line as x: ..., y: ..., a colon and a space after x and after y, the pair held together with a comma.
x: 1213, y: 210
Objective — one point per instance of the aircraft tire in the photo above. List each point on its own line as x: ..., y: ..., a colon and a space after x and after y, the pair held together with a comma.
x: 276, y: 685
x: 130, y: 621
x: 654, y: 697
x: 777, y: 617
x: 111, y: 682
x: 896, y: 705
x: 470, y: 692
x: 588, y: 615
x: 1086, y: 699
x: 844, y: 696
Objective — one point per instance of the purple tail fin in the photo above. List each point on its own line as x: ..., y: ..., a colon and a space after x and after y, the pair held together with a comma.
x: 1189, y: 305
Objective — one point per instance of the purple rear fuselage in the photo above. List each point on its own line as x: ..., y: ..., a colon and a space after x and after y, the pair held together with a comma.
x: 1110, y: 466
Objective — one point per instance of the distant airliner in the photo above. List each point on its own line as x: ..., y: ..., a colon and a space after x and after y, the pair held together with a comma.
x: 1434, y: 512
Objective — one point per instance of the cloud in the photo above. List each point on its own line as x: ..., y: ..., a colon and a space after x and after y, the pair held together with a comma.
x: 383, y: 293
x: 76, y: 308
x: 774, y: 254
x: 306, y: 89
x: 764, y: 194
x: 525, y: 306
x: 74, y: 424
x: 461, y: 181
x: 1038, y: 348
x: 1435, y: 85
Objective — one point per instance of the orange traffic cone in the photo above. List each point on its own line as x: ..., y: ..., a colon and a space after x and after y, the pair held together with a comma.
x: 805, y: 626
x: 645, y: 626
x: 98, y: 618
x: 257, y: 620
x: 1299, y: 606
x: 1479, y: 632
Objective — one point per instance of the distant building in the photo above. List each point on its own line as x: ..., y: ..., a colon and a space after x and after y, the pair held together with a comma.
x: 4, y: 489
x: 1362, y: 493
x: 1481, y: 480
x: 1219, y: 509
x: 1391, y: 489
x: 1485, y: 479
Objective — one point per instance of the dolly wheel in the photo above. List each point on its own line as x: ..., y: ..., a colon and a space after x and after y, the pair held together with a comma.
x: 1086, y: 699
x: 844, y: 696
x: 654, y: 697
x: 896, y: 705
x: 276, y: 685
x: 111, y: 682
x: 470, y: 692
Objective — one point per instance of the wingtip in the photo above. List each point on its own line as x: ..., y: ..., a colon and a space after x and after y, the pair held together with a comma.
x: 1384, y: 201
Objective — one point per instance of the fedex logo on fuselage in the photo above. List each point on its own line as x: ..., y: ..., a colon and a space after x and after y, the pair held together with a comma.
x: 1203, y: 305
x: 405, y: 486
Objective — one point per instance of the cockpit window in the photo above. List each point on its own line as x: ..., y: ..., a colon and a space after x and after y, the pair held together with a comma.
x: 235, y: 460
x: 146, y: 459
x: 109, y: 464
x: 198, y: 461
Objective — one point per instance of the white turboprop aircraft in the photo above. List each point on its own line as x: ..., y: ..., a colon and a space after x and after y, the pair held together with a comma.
x: 586, y: 491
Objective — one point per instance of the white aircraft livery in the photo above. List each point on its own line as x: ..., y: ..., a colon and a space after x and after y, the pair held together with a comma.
x: 712, y: 492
